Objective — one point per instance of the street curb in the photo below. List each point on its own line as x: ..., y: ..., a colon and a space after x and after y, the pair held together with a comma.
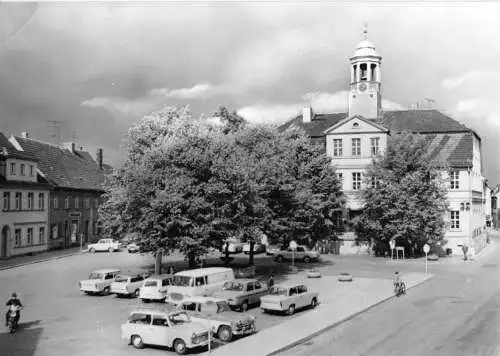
x: 4, y: 268
x: 338, y: 322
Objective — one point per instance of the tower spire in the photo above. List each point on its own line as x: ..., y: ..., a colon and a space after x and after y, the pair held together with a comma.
x: 365, y: 31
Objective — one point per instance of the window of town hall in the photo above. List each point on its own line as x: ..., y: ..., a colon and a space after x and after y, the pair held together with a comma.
x: 356, y: 181
x: 374, y: 146
x: 337, y: 147
x: 455, y: 220
x: 356, y: 147
x: 454, y: 180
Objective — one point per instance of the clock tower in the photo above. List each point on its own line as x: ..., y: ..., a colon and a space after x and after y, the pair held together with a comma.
x: 365, y: 97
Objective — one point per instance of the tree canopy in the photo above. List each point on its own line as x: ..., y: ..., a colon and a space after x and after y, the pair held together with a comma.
x: 405, y: 195
x: 188, y: 184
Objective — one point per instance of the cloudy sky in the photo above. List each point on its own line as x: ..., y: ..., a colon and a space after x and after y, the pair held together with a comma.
x: 100, y: 67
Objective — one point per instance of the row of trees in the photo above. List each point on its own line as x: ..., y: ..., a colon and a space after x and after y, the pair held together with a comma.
x: 188, y: 183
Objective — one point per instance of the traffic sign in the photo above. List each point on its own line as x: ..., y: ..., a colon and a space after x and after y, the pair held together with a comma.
x: 392, y: 244
x: 293, y: 245
x: 426, y: 248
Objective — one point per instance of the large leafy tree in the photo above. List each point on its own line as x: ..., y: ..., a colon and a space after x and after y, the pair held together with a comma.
x: 405, y: 196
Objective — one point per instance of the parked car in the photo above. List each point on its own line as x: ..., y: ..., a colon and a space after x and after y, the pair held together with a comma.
x: 274, y: 249
x: 127, y: 285
x: 257, y: 248
x: 163, y: 327
x: 154, y: 288
x: 242, y: 293
x: 217, y: 315
x: 235, y: 246
x: 109, y: 245
x: 133, y: 248
x: 201, y: 281
x: 99, y: 282
x: 301, y: 254
x: 288, y: 298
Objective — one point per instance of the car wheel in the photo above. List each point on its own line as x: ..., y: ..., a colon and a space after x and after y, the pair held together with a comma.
x: 314, y: 303
x: 244, y: 306
x: 137, y: 342
x: 145, y: 300
x: 279, y: 258
x: 291, y: 309
x: 264, y: 311
x: 136, y: 293
x: 106, y: 291
x: 110, y: 250
x: 180, y: 346
x: 307, y: 259
x: 224, y: 333
x: 92, y: 250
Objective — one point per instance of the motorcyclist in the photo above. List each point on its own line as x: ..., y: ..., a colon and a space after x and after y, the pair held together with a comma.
x: 14, y: 300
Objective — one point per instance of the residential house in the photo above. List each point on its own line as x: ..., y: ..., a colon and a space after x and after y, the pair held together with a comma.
x: 24, y: 203
x: 76, y: 180
x: 353, y: 138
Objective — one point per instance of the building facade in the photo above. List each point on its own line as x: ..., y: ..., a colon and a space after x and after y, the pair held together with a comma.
x: 76, y: 180
x: 24, y: 203
x: 354, y: 138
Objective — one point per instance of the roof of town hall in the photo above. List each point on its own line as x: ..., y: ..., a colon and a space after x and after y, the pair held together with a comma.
x: 450, y: 142
x: 63, y: 168
x: 7, y: 150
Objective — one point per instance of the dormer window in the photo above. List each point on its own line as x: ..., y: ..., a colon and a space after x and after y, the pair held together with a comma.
x: 32, y: 171
x: 12, y: 169
x: 23, y: 169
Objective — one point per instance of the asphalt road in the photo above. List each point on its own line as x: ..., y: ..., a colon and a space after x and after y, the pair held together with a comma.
x: 58, y: 320
x: 455, y: 313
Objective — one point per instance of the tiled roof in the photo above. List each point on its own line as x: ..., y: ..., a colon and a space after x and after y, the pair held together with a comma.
x: 318, y: 124
x: 11, y: 151
x: 451, y: 142
x: 422, y: 121
x: 63, y: 168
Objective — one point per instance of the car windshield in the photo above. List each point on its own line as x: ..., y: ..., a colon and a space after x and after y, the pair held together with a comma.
x: 95, y: 275
x: 278, y: 291
x: 122, y: 279
x: 179, y: 318
x: 150, y: 284
x: 181, y: 281
x: 234, y: 286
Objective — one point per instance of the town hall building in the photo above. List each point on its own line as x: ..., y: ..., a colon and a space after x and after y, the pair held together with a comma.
x: 354, y: 138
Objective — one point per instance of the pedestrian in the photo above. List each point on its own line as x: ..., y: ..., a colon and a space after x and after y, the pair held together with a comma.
x: 270, y: 283
x: 465, y: 249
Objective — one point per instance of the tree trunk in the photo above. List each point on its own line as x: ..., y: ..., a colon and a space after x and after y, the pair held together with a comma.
x: 250, y: 253
x: 191, y: 259
x: 158, y: 259
x: 226, y: 252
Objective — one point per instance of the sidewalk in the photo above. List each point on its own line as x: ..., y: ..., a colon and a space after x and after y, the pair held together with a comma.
x: 18, y: 261
x: 347, y: 301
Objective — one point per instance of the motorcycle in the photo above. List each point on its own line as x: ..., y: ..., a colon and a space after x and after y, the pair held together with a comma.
x: 400, y: 288
x: 13, y: 323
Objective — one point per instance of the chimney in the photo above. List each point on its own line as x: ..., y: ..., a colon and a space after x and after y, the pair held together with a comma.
x: 24, y: 134
x: 307, y: 114
x: 99, y: 158
x: 69, y: 146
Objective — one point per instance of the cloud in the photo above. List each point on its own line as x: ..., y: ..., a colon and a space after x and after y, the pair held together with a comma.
x: 114, y: 104
x: 196, y: 92
x: 321, y: 103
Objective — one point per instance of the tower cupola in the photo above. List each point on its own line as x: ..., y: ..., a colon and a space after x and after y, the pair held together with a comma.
x: 365, y: 86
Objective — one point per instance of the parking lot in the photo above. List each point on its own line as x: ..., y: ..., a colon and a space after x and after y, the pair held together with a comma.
x: 60, y: 320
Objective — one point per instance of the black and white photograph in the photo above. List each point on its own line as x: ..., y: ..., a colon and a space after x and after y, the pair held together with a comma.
x: 250, y: 178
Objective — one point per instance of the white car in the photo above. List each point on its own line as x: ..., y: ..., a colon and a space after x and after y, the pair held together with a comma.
x: 302, y: 253
x: 166, y: 328
x: 155, y: 288
x: 109, y: 245
x: 99, y: 282
x: 126, y: 285
x: 234, y: 246
x: 287, y: 298
x: 257, y: 248
x: 217, y: 316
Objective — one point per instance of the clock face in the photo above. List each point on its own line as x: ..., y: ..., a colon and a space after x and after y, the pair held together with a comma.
x: 362, y: 87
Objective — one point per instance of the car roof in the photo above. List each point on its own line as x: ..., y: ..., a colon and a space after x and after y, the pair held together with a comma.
x: 244, y: 280
x: 198, y: 271
x: 160, y: 276
x: 290, y: 285
x: 168, y: 308
x: 201, y: 299
x: 109, y: 270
